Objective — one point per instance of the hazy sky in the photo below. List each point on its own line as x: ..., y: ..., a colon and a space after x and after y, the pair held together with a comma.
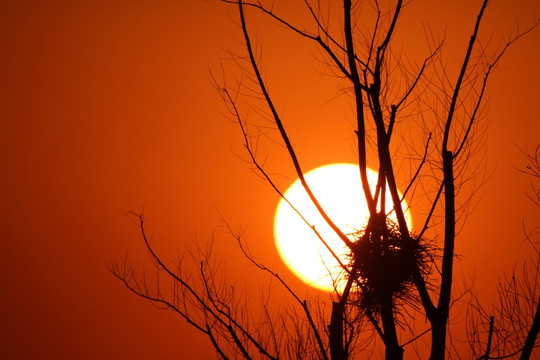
x: 108, y: 106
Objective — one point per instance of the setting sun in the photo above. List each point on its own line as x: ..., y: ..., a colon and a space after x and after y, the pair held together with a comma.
x: 338, y: 189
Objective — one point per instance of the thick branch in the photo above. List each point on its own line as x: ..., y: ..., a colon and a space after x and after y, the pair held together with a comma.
x: 284, y: 135
x: 358, y: 95
x: 460, y: 78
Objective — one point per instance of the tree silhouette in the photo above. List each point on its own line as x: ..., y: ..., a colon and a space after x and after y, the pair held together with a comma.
x: 393, y: 276
x: 514, y: 321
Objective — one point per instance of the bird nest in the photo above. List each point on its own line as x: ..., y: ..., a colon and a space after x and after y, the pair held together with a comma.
x: 384, y: 261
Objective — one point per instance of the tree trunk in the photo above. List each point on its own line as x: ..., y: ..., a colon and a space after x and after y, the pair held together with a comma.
x: 531, y: 337
x: 393, y: 350
x: 440, y: 318
x: 438, y: 337
x: 337, y: 351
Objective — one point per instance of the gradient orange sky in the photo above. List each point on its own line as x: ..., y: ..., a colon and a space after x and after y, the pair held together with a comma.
x: 107, y: 107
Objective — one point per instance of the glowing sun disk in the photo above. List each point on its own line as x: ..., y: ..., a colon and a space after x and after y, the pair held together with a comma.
x: 339, y: 191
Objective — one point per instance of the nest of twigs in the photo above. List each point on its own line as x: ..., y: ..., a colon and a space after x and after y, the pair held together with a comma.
x: 384, y: 262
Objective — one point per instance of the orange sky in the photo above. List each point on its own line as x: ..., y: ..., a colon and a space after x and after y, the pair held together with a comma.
x: 107, y: 107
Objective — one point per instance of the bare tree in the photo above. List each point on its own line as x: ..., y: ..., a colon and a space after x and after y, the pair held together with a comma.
x: 514, y: 321
x: 393, y: 276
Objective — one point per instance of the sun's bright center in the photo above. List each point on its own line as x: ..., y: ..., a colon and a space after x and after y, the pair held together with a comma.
x: 339, y: 191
